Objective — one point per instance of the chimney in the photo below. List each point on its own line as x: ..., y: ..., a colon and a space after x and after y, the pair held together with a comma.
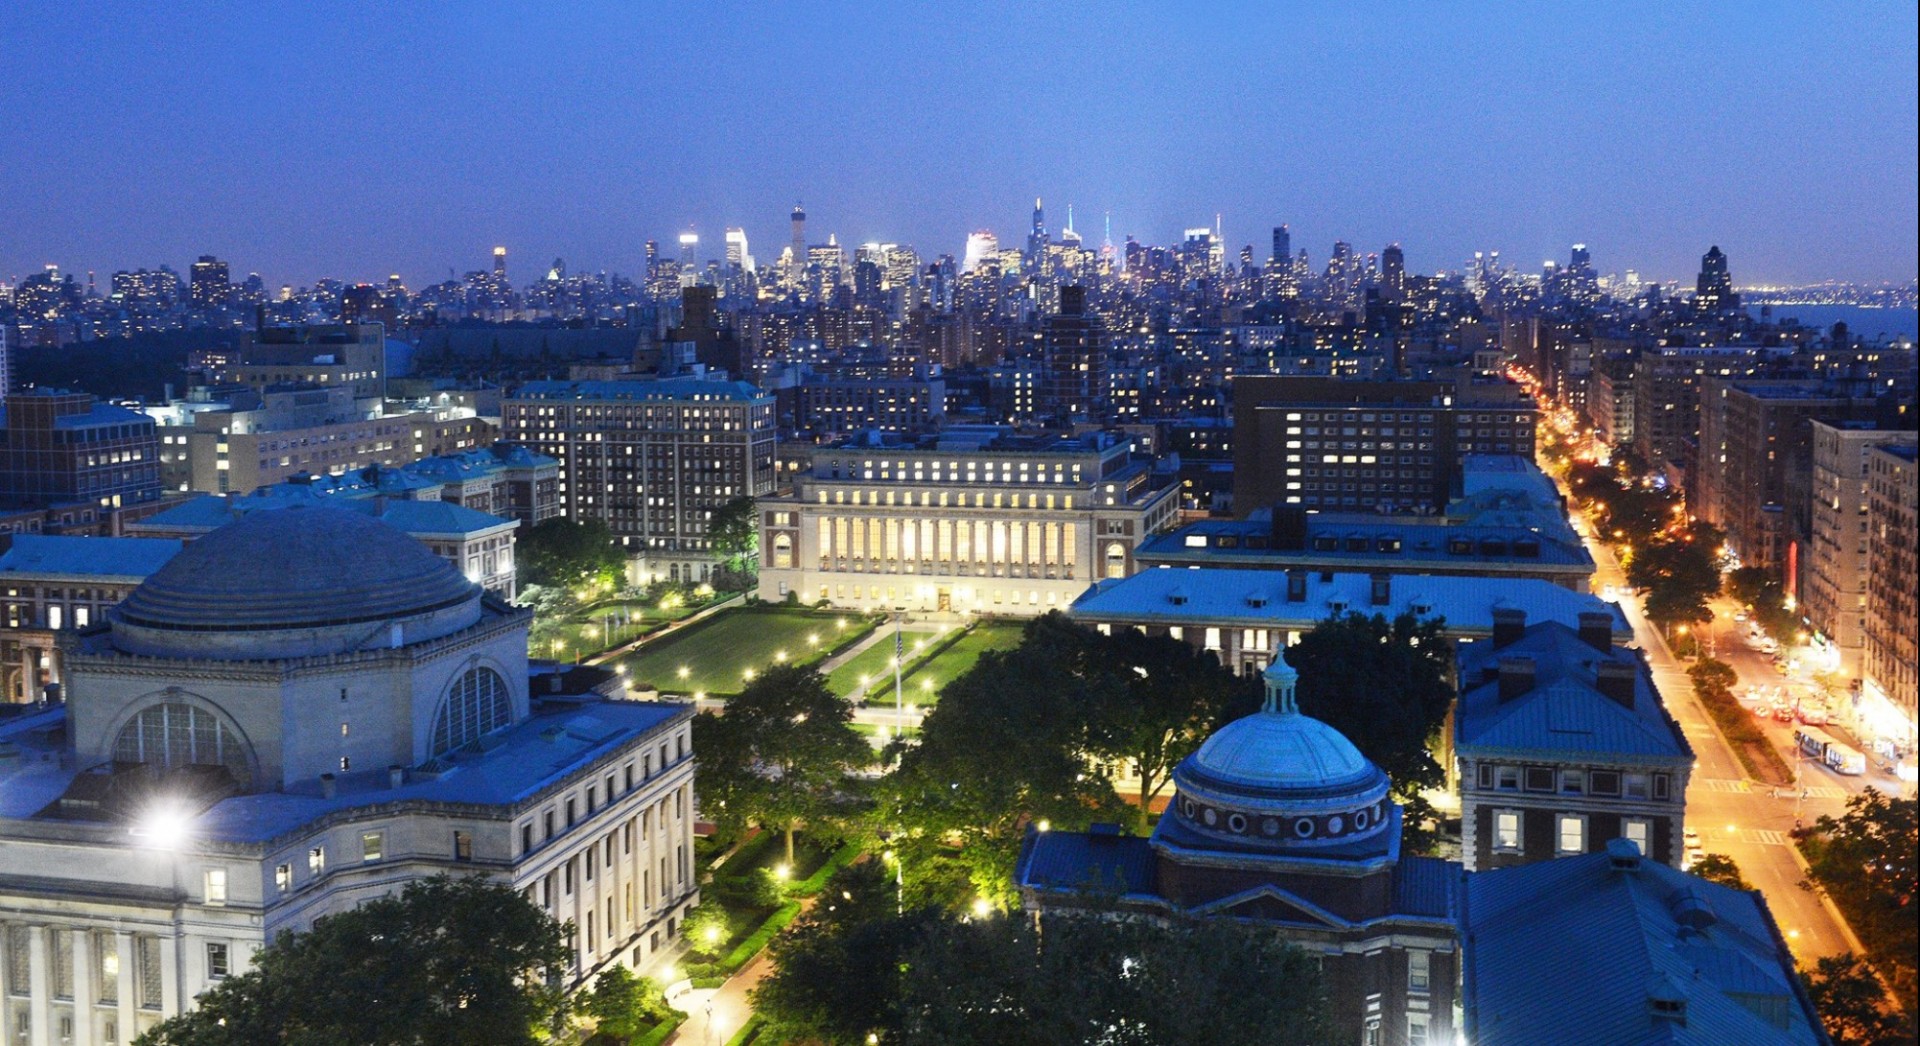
x: 1615, y: 679
x: 1296, y: 586
x: 1382, y: 589
x: 1289, y: 528
x: 1516, y: 677
x: 1596, y: 630
x: 396, y: 775
x: 1509, y: 624
x: 327, y: 786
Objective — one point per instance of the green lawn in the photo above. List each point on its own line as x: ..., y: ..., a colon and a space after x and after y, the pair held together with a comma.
x: 876, y: 663
x: 587, y: 632
x: 716, y: 653
x: 924, y: 680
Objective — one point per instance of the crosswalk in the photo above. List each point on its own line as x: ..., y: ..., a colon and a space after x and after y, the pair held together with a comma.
x: 1742, y: 787
x: 1763, y: 837
x: 1723, y: 784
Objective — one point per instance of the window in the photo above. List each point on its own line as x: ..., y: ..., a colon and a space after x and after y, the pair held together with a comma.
x: 1506, y: 830
x: 317, y: 860
x: 1572, y: 834
x: 1417, y: 1029
x: 1419, y: 969
x: 218, y: 960
x: 214, y: 886
x: 462, y: 846
x: 1573, y: 782
x: 1639, y: 832
x: 1636, y: 785
x: 373, y: 846
x: 176, y: 735
x: 1508, y: 779
x: 283, y: 877
x: 478, y: 704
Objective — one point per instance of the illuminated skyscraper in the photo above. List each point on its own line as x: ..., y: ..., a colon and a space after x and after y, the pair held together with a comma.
x: 1393, y: 269
x: 209, y: 285
x: 737, y: 253
x: 799, y: 235
x: 500, y: 264
x: 689, y: 258
x: 1037, y: 236
x: 1282, y: 255
x: 980, y: 246
x: 1714, y: 290
x: 1074, y: 359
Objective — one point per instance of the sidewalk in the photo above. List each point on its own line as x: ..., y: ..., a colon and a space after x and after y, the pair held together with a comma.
x: 714, y: 1016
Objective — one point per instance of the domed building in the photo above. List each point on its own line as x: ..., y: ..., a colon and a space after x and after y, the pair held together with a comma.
x: 1279, y: 820
x: 301, y: 710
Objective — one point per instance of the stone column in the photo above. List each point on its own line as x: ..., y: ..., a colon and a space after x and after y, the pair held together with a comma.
x: 128, y: 993
x: 85, y: 995
x: 170, y: 945
x: 40, y: 986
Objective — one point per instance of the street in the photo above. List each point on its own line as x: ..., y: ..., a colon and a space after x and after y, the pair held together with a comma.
x: 1735, y: 816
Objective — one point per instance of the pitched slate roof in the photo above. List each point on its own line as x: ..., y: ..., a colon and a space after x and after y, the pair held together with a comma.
x: 1563, y: 714
x: 118, y: 559
x: 1086, y: 861
x: 1573, y: 951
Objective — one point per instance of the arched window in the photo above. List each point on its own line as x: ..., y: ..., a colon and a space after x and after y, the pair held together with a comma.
x: 478, y: 704
x: 1116, y: 560
x: 782, y: 551
x: 174, y: 735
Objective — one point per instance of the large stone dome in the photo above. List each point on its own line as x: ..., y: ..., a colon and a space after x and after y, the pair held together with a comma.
x: 1278, y: 779
x: 300, y: 581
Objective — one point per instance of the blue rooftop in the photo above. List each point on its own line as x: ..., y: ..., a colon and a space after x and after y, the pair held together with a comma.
x: 118, y: 559
x: 1564, y: 713
x: 1575, y: 950
x: 645, y: 389
x: 414, y: 517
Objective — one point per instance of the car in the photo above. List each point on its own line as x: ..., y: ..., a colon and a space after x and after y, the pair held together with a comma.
x: 1740, y: 615
x: 1783, y: 713
x: 1813, y: 714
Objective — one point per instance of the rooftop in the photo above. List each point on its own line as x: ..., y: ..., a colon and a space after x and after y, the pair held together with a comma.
x: 126, y: 560
x: 641, y: 390
x: 1563, y: 712
x: 507, y: 768
x: 1580, y: 948
x: 1258, y: 599
x: 413, y: 517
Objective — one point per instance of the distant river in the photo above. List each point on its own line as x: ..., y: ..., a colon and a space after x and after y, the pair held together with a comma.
x: 1863, y: 321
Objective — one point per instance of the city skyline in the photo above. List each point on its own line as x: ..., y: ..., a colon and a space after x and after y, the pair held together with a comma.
x: 583, y: 140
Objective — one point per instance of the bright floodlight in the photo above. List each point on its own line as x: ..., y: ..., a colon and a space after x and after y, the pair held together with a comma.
x: 981, y: 907
x: 781, y: 872
x: 164, y: 825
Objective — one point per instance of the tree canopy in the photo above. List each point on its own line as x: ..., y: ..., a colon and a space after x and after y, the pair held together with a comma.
x: 780, y: 754
x: 857, y: 966
x: 1853, y: 1005
x: 570, y: 553
x: 734, y: 534
x: 1384, y: 685
x: 445, y: 963
x: 1865, y: 860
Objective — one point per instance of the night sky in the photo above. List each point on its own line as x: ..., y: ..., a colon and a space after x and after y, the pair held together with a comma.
x: 352, y: 140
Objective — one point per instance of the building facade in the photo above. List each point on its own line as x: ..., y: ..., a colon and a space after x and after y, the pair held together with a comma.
x: 652, y: 459
x: 1834, y: 563
x: 56, y: 585
x: 60, y: 449
x: 971, y: 521
x: 256, y: 738
x: 1563, y: 744
x: 1890, y: 691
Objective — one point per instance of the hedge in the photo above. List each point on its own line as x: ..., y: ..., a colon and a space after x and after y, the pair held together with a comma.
x: 749, y: 1032
x: 659, y: 1034
x: 743, y: 952
x: 816, y: 882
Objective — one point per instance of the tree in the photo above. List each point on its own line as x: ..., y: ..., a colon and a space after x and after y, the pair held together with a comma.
x: 1083, y: 979
x: 1712, y: 676
x: 1011, y: 743
x: 1384, y: 686
x: 571, y: 553
x: 1719, y: 868
x: 780, y: 754
x: 448, y: 961
x: 838, y: 973
x: 705, y: 928
x: 1865, y: 860
x: 1167, y: 699
x: 734, y: 534
x: 623, y: 1005
x: 1680, y: 576
x: 1853, y: 1005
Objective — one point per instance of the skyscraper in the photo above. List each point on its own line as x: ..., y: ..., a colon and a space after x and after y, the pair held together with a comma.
x: 500, y: 264
x: 799, y: 235
x: 1037, y: 236
x: 737, y: 250
x: 689, y: 258
x: 1282, y: 256
x: 210, y: 286
x: 1074, y: 359
x: 1714, y: 290
x: 1393, y: 269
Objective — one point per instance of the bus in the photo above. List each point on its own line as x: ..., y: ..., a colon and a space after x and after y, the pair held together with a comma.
x: 1818, y: 744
